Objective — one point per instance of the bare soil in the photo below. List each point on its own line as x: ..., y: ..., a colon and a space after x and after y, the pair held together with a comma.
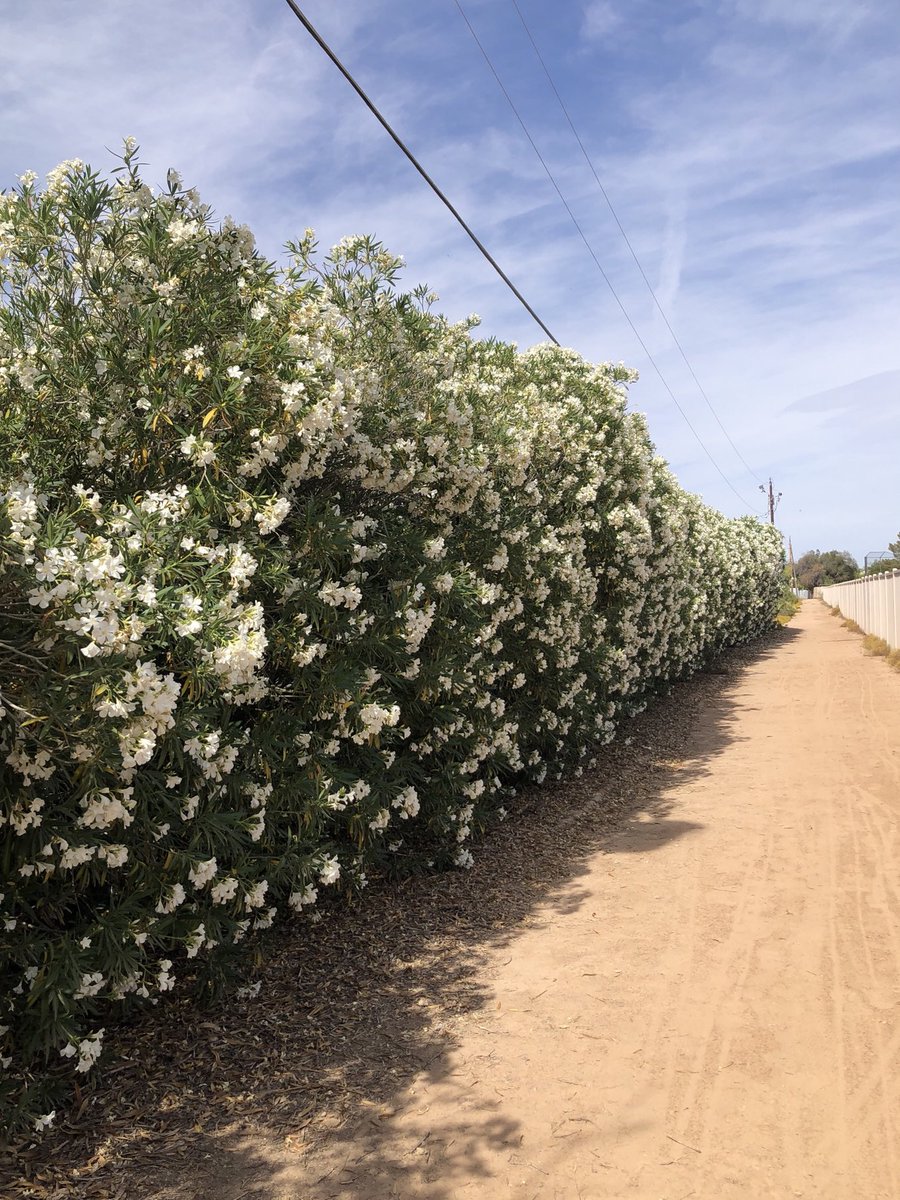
x: 677, y: 976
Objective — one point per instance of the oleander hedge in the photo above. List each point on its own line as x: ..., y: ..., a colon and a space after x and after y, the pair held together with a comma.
x: 298, y: 582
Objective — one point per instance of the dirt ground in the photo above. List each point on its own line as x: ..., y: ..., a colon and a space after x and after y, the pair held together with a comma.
x: 687, y: 984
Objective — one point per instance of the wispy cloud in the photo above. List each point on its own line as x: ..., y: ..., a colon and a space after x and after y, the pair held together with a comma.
x: 672, y: 259
x: 833, y: 20
x: 601, y: 18
x: 877, y: 395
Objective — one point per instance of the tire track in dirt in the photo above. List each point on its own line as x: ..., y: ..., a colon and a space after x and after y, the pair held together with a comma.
x: 727, y: 983
x: 861, y: 873
x: 836, y: 1006
x: 875, y: 1100
x: 879, y: 991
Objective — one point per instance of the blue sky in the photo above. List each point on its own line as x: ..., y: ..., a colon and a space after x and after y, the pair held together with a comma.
x: 751, y: 149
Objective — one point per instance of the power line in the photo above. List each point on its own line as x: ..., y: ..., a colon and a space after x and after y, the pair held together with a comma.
x: 593, y: 255
x: 609, y: 204
x: 314, y: 34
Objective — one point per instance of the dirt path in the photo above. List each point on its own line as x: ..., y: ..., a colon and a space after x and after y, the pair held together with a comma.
x: 697, y: 995
x: 713, y: 1008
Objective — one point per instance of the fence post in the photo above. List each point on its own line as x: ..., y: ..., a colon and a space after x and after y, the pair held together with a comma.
x: 885, y: 588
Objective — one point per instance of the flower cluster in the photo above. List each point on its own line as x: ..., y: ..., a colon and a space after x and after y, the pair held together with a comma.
x: 300, y: 581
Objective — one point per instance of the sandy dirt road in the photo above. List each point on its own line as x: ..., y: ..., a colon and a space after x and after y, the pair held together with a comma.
x: 716, y: 1011
x: 678, y: 976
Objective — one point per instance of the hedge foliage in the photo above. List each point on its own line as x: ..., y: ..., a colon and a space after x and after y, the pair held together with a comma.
x: 298, y: 581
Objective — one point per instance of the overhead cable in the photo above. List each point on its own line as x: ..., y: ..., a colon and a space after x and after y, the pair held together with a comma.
x: 323, y: 45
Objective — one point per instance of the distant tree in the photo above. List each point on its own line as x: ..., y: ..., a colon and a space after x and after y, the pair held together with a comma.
x: 815, y: 569
x: 809, y: 569
x: 894, y: 547
x: 839, y: 565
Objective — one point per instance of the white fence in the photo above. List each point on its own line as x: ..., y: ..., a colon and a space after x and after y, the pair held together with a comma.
x: 873, y: 603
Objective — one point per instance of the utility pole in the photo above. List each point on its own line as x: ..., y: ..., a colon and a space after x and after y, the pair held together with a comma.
x: 793, y: 568
x: 772, y: 499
